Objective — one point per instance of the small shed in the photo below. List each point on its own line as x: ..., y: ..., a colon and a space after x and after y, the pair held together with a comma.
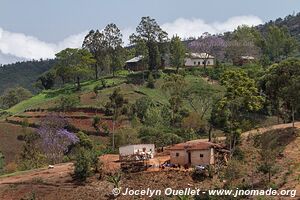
x: 135, y: 64
x: 244, y: 60
x: 137, y: 150
x: 193, y: 153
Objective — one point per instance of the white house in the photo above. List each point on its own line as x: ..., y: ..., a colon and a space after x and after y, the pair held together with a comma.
x: 137, y: 149
x: 199, y: 59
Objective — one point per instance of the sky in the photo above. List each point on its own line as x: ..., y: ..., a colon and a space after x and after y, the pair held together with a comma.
x: 34, y: 29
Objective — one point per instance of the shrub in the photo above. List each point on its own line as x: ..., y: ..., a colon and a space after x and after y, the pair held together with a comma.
x: 103, y: 83
x: 82, y: 168
x: 115, y: 179
x: 11, y: 167
x: 151, y: 81
x: 125, y: 136
x: 95, y: 89
x: 68, y: 102
x: 31, y: 155
x: 199, y: 175
x: 141, y: 106
x: 84, y: 141
x: 85, y: 161
x: 14, y: 96
x: 96, y: 121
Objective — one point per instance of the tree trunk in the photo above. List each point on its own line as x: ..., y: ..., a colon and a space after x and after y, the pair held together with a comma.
x: 63, y: 80
x: 113, y: 135
x: 210, y: 133
x: 143, y: 75
x: 96, y: 72
x: 78, y: 83
x: 293, y: 117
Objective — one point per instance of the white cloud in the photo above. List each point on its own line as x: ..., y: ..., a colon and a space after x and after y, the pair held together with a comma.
x: 196, y: 27
x: 28, y: 47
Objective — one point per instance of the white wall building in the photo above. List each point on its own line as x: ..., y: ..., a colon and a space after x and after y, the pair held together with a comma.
x: 136, y: 149
x: 198, y: 59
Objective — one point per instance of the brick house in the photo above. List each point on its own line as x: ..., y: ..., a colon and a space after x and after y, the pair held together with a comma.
x: 193, y: 153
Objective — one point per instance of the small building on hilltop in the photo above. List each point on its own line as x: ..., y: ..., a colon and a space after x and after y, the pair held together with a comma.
x: 135, y: 64
x: 199, y: 59
x: 244, y: 60
x: 193, y: 153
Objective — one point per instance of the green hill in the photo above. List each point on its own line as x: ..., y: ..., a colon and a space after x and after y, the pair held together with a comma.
x: 23, y: 74
x: 50, y: 98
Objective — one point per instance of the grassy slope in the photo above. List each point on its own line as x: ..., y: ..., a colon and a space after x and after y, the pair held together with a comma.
x: 48, y: 98
x: 132, y: 92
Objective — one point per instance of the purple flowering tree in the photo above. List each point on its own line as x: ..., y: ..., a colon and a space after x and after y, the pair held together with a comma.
x: 55, y: 138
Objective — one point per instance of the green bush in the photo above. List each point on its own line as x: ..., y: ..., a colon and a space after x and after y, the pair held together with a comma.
x: 83, y: 165
x: 68, y: 102
x: 151, y: 81
x: 96, y: 122
x: 13, y: 96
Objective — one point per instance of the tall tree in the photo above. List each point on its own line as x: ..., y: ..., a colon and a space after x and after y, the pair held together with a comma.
x: 241, y: 98
x: 13, y: 96
x: 175, y: 86
x: 115, y: 105
x: 96, y: 43
x: 278, y: 43
x: 177, y: 50
x: 155, y: 38
x: 281, y: 85
x: 141, y: 49
x: 113, y: 38
x: 55, y: 139
x: 76, y: 62
x: 47, y: 79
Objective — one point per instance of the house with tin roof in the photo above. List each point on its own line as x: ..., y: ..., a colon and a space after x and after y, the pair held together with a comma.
x: 199, y: 59
x: 135, y: 64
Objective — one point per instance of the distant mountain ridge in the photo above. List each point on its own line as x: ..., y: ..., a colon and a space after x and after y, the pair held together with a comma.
x: 292, y: 22
x: 23, y: 74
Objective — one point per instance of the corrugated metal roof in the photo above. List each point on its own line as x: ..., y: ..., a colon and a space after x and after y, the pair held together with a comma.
x: 248, y: 57
x: 199, y: 55
x: 135, y: 59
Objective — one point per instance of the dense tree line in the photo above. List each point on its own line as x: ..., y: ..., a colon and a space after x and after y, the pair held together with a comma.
x: 23, y: 74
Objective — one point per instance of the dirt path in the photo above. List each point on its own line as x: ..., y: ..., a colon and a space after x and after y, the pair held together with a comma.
x: 256, y: 131
x: 59, y: 171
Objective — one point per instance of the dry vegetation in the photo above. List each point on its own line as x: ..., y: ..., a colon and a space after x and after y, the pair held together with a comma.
x: 57, y: 183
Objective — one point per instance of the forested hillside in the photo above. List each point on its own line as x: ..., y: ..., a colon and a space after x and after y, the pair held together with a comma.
x: 22, y: 74
x: 291, y: 22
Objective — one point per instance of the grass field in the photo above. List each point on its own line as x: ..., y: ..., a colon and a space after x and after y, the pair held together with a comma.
x: 49, y: 99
